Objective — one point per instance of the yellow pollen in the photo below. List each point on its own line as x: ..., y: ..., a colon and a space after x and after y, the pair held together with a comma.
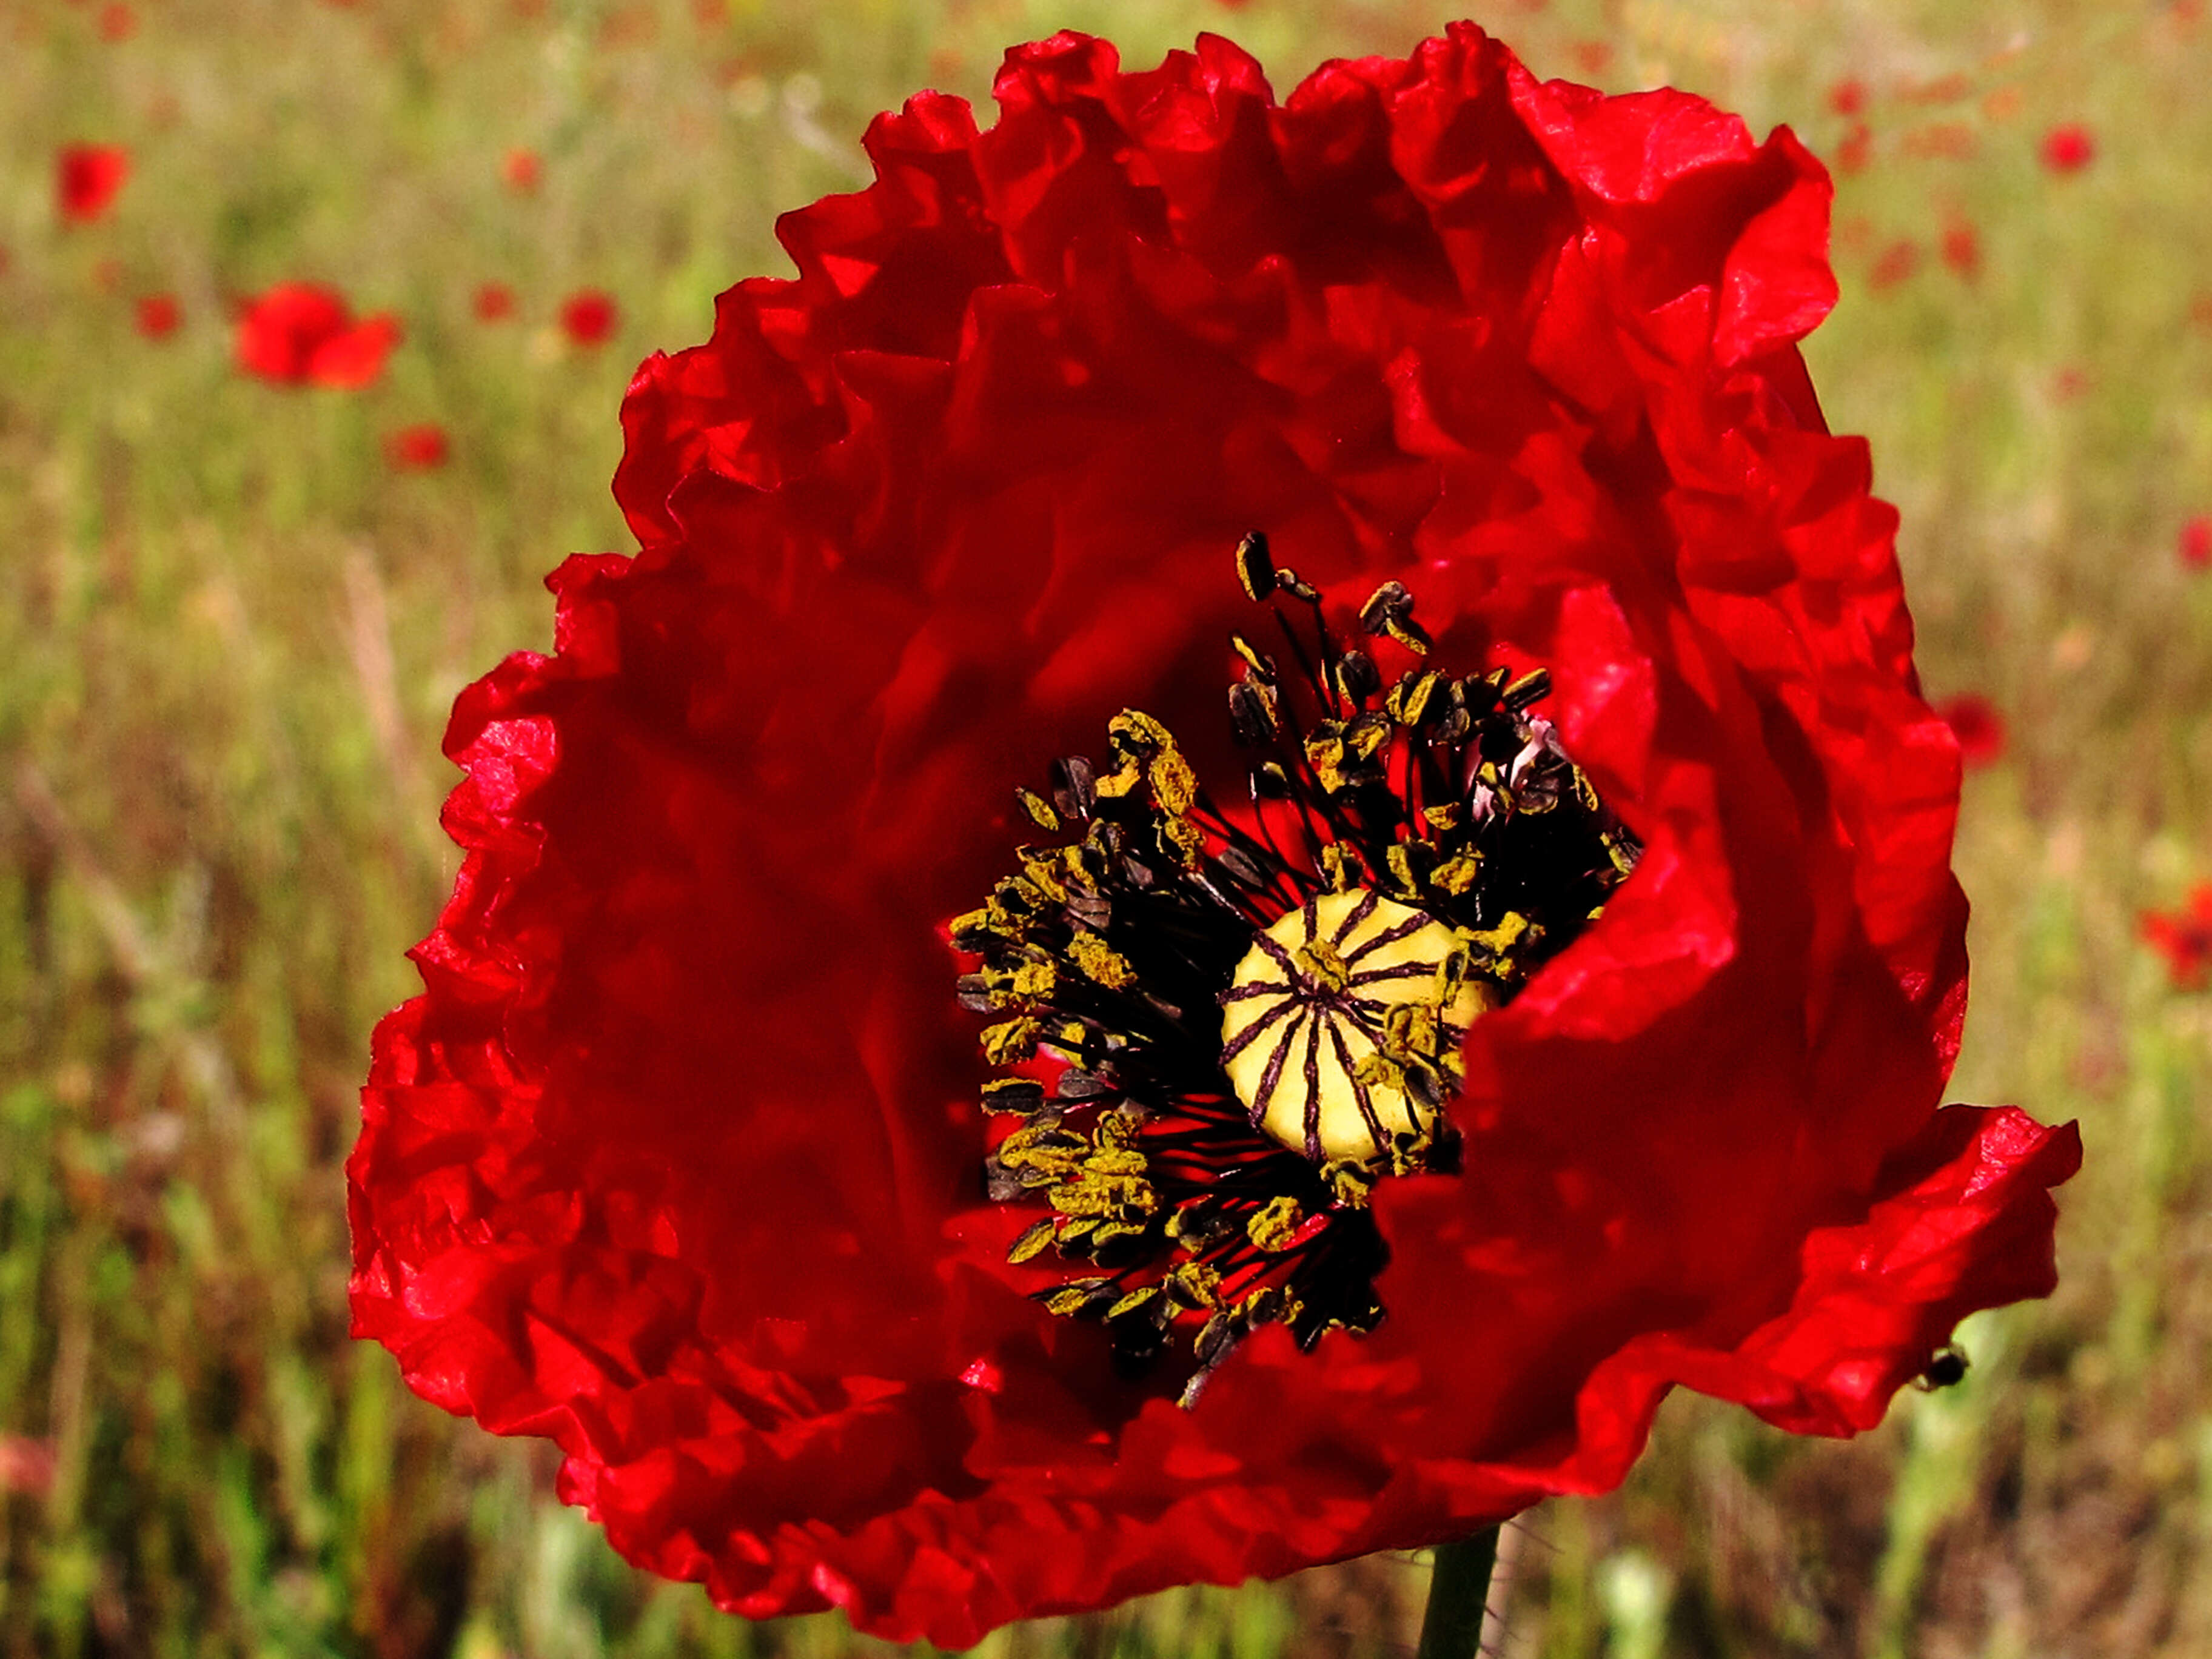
x: 1341, y: 1030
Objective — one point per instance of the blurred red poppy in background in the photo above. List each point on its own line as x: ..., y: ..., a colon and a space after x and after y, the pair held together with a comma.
x: 2183, y: 937
x: 417, y: 448
x: 1975, y: 722
x: 1962, y: 247
x: 159, y: 315
x: 522, y: 170
x: 588, y: 318
x: 304, y: 333
x: 2069, y: 148
x: 492, y: 301
x: 1896, y: 264
x: 678, y: 1161
x: 2194, y: 545
x: 86, y: 178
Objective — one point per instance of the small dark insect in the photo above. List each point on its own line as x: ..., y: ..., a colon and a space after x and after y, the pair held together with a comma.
x: 1947, y: 1368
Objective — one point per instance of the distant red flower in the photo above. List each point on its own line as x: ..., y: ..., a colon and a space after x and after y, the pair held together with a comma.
x: 86, y: 178
x: 493, y: 301
x: 680, y: 1157
x: 1898, y: 262
x: 303, y: 333
x: 25, y: 1465
x: 1848, y: 96
x: 418, y: 448
x: 2196, y: 545
x: 117, y: 22
x: 522, y: 170
x: 589, y: 317
x: 1857, y: 144
x: 2185, y: 938
x: 1975, y: 722
x: 2069, y: 148
x: 159, y: 315
x: 1962, y: 248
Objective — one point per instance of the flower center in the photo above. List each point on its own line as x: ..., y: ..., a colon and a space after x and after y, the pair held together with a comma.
x: 1220, y: 1027
x: 1340, y: 1029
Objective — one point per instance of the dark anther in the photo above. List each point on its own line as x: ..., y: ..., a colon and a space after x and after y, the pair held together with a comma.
x: 1531, y: 687
x: 1239, y: 864
x: 1414, y: 700
x: 1040, y: 810
x: 1013, y: 1094
x: 1291, y: 583
x: 1074, y: 786
x: 1390, y: 603
x: 1258, y: 665
x: 1255, y: 569
x: 1251, y: 715
x: 1357, y: 677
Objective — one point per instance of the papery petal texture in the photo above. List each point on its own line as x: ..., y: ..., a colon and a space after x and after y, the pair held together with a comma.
x: 675, y: 1158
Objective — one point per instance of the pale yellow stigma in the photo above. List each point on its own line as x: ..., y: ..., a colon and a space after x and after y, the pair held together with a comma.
x: 1340, y: 1030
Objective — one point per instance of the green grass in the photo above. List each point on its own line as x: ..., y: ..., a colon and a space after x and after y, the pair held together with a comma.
x: 228, y: 635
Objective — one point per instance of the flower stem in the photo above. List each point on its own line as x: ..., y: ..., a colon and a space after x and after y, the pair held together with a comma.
x: 1459, y: 1591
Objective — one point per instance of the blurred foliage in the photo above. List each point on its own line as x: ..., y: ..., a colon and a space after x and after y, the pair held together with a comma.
x: 230, y: 632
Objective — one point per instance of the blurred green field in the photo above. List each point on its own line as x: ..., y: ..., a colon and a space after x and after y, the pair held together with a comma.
x: 229, y: 633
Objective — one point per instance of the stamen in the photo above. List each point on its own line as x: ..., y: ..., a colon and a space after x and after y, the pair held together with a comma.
x: 1218, y: 1030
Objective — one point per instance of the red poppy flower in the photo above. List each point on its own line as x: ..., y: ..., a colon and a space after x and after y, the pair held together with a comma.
x: 25, y: 1465
x: 1858, y: 145
x: 2196, y: 543
x: 589, y: 317
x: 1977, y: 725
x: 678, y: 1159
x: 1962, y: 248
x: 86, y: 178
x: 493, y: 301
x: 2184, y: 940
x: 302, y: 333
x: 522, y: 170
x: 117, y: 22
x: 159, y: 316
x: 2069, y: 148
x: 1848, y: 96
x: 1897, y: 263
x: 417, y: 448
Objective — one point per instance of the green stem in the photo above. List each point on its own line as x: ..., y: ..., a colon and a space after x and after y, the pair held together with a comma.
x: 1459, y: 1590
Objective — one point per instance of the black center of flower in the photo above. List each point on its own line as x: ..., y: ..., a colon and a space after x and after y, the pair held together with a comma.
x: 1221, y: 1028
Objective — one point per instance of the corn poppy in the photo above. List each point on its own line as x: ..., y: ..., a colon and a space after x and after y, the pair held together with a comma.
x: 421, y: 447
x: 1977, y: 725
x: 589, y: 317
x: 859, y: 903
x: 86, y: 179
x: 158, y: 315
x: 305, y: 333
x: 2183, y: 937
